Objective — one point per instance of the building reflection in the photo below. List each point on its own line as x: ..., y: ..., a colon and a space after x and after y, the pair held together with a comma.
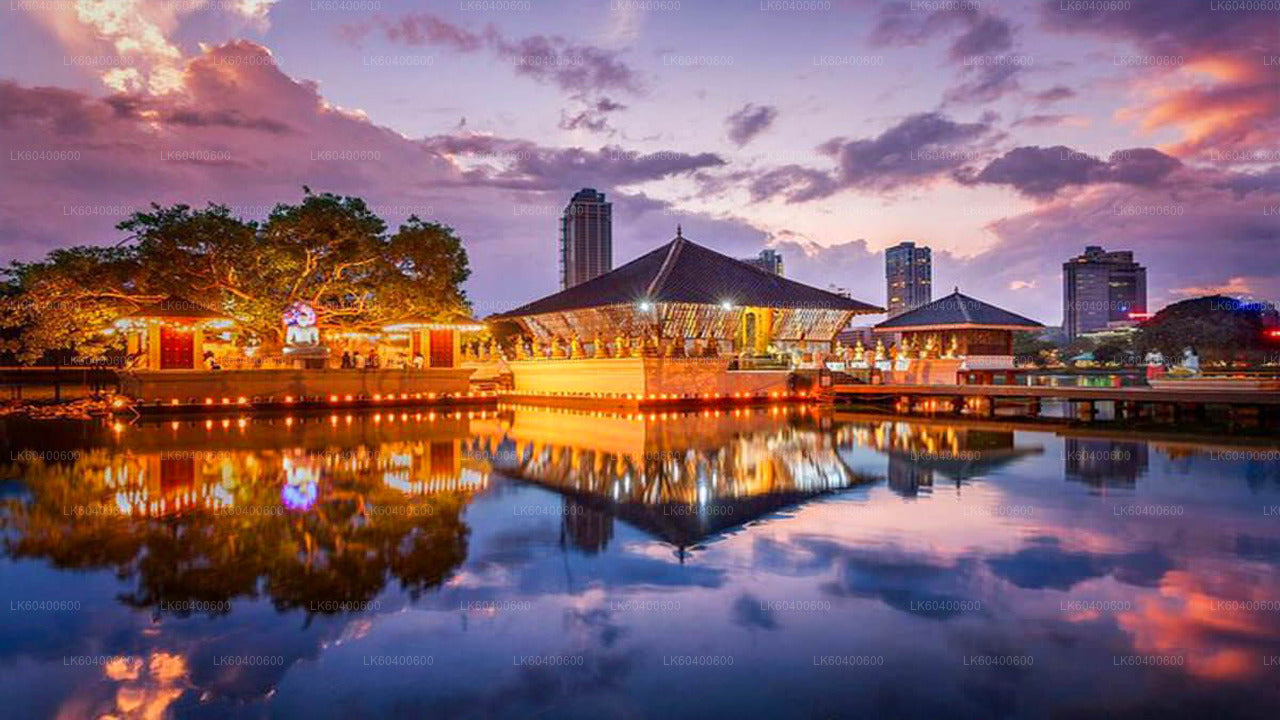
x: 1104, y: 463
x: 920, y: 451
x: 681, y: 477
x: 317, y: 508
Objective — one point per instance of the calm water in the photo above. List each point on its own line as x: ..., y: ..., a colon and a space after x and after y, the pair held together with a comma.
x: 536, y: 563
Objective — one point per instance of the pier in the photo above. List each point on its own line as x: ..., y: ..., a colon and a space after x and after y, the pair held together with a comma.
x: 1126, y: 402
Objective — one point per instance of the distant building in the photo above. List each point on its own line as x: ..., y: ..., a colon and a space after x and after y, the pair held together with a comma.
x: 1101, y: 288
x: 769, y: 261
x: 908, y: 272
x: 586, y: 238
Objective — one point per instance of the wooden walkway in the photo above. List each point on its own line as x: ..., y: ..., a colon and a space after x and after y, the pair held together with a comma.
x: 1037, y: 392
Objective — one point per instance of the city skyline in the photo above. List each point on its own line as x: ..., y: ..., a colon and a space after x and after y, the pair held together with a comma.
x: 1009, y: 136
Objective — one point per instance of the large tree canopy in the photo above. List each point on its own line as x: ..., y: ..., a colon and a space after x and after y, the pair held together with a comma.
x: 328, y: 250
x: 1218, y: 328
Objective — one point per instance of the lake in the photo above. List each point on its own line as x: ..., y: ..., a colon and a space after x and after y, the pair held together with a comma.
x: 526, y: 562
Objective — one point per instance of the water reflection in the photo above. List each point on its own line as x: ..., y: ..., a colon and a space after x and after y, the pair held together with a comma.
x: 317, y: 542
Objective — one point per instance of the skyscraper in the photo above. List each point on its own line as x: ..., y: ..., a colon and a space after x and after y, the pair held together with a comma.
x: 908, y: 272
x: 586, y: 238
x: 1100, y: 287
x: 768, y: 260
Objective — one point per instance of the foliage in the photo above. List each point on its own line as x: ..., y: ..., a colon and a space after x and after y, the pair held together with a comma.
x: 1218, y: 328
x: 330, y: 251
x: 1030, y: 346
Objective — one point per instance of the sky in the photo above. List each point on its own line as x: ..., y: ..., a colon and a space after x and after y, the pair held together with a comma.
x: 1007, y: 135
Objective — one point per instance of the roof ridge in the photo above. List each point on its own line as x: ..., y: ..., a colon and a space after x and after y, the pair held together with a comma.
x: 660, y: 277
x: 964, y: 309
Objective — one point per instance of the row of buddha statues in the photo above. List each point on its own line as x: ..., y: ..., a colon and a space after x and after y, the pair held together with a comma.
x: 573, y: 348
x: 622, y: 347
x: 929, y: 349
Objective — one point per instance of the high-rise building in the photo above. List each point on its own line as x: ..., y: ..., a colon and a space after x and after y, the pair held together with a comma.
x: 586, y: 238
x: 908, y: 272
x: 768, y: 260
x: 1100, y: 288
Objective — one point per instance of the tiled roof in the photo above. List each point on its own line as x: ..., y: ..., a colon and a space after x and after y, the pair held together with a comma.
x: 957, y: 309
x: 684, y: 272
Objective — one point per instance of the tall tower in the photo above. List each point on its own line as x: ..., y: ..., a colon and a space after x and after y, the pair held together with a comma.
x: 1100, y: 287
x: 586, y: 238
x: 908, y: 272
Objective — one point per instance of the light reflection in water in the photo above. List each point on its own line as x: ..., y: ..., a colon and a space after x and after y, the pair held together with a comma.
x: 320, y: 518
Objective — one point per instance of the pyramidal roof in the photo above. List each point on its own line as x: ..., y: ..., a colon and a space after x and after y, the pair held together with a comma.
x: 683, y: 271
x: 958, y: 309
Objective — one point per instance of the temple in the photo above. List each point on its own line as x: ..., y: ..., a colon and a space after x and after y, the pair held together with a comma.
x: 954, y: 340
x: 681, y: 319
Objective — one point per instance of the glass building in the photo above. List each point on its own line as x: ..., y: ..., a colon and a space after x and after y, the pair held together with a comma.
x: 908, y: 272
x: 586, y: 238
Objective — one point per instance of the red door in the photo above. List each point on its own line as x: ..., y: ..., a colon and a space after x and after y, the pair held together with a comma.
x: 177, y: 349
x: 441, y: 348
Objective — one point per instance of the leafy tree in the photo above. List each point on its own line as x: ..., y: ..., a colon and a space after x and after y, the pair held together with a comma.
x: 328, y: 250
x: 1218, y: 328
x: 1112, y: 352
x: 1029, y: 345
x: 1079, y: 346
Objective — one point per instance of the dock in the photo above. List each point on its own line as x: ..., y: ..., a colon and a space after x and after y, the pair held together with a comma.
x: 1126, y: 402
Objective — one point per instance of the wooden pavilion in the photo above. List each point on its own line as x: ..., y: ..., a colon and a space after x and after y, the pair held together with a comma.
x: 680, y: 320
x: 682, y: 299
x: 955, y: 340
x: 169, y: 334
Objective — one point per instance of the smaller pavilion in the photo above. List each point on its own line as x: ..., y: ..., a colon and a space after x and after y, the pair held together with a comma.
x: 954, y: 340
x: 437, y: 341
x: 169, y: 334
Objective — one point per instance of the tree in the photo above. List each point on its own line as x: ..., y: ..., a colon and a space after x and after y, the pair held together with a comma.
x: 328, y: 250
x: 1112, y: 352
x: 1029, y: 347
x: 1218, y: 328
x: 1079, y: 346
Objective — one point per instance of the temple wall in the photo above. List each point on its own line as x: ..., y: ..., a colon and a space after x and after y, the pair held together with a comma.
x: 217, y: 384
x: 642, y: 376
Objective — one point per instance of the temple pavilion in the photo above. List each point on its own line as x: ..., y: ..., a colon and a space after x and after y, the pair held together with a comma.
x: 685, y: 299
x: 954, y: 340
x: 679, y: 321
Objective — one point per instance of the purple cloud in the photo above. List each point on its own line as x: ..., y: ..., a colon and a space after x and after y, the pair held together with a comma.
x: 919, y: 149
x: 579, y: 68
x: 749, y: 122
x: 1040, y: 172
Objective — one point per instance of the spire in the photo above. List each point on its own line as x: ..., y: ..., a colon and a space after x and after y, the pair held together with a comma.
x: 678, y: 231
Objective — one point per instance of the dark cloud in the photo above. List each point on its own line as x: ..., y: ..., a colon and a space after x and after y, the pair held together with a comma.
x: 1053, y: 94
x: 1043, y: 120
x: 749, y: 122
x: 987, y: 81
x: 979, y: 47
x: 578, y: 68
x: 980, y: 33
x: 918, y: 149
x: 594, y: 117
x: 1045, y: 564
x: 1040, y: 172
x: 522, y: 164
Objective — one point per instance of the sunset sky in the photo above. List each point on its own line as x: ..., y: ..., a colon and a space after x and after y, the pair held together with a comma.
x: 1005, y: 134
